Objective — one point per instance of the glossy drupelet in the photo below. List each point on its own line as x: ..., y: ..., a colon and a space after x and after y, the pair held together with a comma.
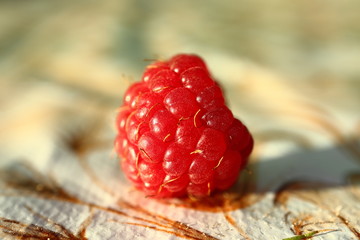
x: 176, y: 136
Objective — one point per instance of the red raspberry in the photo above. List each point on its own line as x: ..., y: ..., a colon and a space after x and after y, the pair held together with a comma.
x: 176, y: 136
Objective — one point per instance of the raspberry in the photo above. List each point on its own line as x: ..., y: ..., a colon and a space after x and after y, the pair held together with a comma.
x: 176, y: 136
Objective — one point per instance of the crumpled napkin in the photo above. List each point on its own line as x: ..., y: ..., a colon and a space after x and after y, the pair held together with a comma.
x: 87, y: 197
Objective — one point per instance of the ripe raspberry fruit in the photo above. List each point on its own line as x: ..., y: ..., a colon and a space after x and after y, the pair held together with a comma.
x: 176, y: 136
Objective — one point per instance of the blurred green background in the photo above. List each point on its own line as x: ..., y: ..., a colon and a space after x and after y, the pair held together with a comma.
x: 303, y: 39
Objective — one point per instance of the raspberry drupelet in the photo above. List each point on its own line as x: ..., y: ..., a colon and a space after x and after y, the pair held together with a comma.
x: 176, y: 136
